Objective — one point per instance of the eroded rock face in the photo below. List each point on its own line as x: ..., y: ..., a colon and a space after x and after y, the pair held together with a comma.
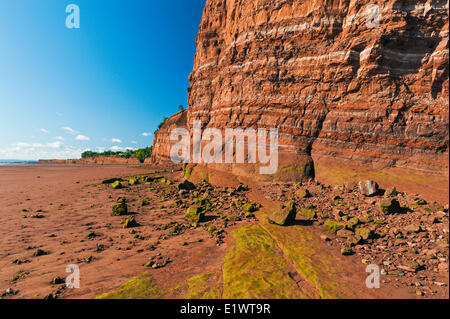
x: 162, y: 143
x: 339, y: 83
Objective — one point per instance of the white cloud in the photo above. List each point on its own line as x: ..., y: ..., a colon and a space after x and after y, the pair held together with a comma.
x: 134, y: 142
x: 32, y: 153
x: 43, y: 130
x: 69, y: 130
x: 116, y: 148
x: 116, y: 140
x: 60, y: 138
x: 147, y: 134
x: 54, y: 145
x: 81, y: 137
x: 37, y: 145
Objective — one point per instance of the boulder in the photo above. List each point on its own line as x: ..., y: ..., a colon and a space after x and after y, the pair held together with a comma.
x: 120, y: 209
x: 308, y: 213
x: 368, y: 188
x: 346, y: 251
x: 116, y: 185
x: 303, y: 193
x: 332, y: 226
x: 130, y: 222
x: 242, y: 188
x: 186, y: 185
x: 195, y: 214
x: 364, y: 233
x: 133, y: 181
x: 283, y: 216
x: 250, y: 207
x: 391, y: 206
x: 391, y: 192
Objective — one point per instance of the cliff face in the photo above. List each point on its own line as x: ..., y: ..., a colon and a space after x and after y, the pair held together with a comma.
x: 342, y: 84
x: 161, y: 142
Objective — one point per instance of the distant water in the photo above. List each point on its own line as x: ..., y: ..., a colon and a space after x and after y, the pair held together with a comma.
x: 16, y: 162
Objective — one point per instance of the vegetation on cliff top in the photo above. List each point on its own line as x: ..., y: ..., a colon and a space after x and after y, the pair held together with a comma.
x: 140, y: 154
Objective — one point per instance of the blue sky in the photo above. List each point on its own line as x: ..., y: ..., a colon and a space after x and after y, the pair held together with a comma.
x: 98, y: 87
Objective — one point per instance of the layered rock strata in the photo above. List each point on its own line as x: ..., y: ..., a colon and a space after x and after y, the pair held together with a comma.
x: 353, y: 83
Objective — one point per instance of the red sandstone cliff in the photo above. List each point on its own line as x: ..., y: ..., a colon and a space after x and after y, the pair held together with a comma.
x: 341, y: 87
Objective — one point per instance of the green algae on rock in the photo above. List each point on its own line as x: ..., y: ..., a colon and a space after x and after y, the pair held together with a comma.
x: 130, y: 222
x: 391, y: 206
x: 116, y: 185
x: 139, y: 287
x: 308, y: 213
x: 186, y: 185
x: 250, y: 207
x: 332, y: 226
x: 283, y: 216
x: 254, y: 269
x: 204, y: 286
x: 120, y: 209
x: 303, y: 193
x: 195, y: 214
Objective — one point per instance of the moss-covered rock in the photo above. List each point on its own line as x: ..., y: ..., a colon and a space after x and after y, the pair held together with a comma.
x: 335, y: 197
x: 195, y: 214
x: 250, y: 207
x: 116, y: 185
x: 140, y: 287
x: 352, y: 222
x: 391, y: 206
x: 365, y: 233
x: 111, y: 180
x: 308, y: 213
x: 204, y: 286
x: 303, y: 193
x: 120, y: 209
x: 242, y: 188
x: 332, y: 226
x: 144, y: 202
x: 204, y: 203
x: 353, y: 240
x: 121, y: 200
x: 130, y: 222
x: 133, y: 181
x: 346, y: 251
x: 391, y: 192
x: 92, y: 235
x: 186, y: 185
x: 283, y: 216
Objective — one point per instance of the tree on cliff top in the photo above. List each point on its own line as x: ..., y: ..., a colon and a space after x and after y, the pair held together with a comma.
x: 140, y: 154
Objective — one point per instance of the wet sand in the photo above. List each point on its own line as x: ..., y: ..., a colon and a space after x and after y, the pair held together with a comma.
x: 73, y: 203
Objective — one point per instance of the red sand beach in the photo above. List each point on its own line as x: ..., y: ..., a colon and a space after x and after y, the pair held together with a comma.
x: 72, y: 203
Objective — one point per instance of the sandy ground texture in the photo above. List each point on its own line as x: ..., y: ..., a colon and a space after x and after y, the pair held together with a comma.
x: 53, y: 216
